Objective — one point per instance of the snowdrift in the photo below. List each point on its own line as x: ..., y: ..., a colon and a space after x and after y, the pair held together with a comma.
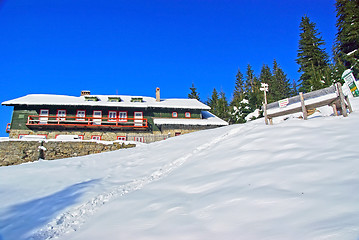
x: 293, y: 180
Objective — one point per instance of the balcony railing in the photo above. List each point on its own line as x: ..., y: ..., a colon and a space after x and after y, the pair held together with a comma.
x: 86, y: 122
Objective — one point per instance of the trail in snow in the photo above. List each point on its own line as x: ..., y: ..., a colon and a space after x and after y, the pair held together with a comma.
x: 71, y: 220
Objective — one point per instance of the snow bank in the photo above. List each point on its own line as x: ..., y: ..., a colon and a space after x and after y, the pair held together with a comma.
x: 294, y: 180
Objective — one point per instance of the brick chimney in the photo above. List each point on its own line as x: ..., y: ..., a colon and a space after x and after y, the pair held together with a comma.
x: 85, y: 92
x: 158, y: 96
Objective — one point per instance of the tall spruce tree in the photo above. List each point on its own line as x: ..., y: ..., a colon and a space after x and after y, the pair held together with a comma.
x: 238, y: 93
x: 193, y: 94
x: 312, y: 58
x: 223, y: 109
x: 346, y: 48
x: 213, y: 102
x: 280, y: 83
x: 266, y: 77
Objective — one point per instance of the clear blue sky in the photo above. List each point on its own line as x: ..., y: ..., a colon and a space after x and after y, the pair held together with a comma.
x: 131, y: 47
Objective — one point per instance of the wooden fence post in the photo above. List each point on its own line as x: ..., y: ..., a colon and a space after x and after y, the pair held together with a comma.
x: 342, y: 101
x: 304, y: 109
x: 335, y: 109
x: 349, y: 105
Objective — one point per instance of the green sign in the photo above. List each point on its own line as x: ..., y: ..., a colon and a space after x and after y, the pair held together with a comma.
x: 350, y: 81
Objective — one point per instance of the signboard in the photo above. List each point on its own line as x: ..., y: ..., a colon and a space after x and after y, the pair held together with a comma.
x: 283, y: 103
x: 350, y: 81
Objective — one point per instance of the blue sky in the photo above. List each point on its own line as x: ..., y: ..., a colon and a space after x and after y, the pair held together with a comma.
x: 131, y: 47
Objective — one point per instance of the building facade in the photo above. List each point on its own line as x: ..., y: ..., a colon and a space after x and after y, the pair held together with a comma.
x: 108, y: 117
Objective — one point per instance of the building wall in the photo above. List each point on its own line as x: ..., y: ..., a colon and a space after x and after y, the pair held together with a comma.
x: 153, y: 133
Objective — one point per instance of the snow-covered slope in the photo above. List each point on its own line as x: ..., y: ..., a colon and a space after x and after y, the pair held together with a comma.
x: 294, y: 180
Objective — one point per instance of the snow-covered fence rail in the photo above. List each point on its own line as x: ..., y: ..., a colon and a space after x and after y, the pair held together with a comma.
x: 332, y: 96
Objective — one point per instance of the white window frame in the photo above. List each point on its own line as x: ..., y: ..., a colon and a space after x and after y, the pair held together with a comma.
x: 112, y: 118
x: 138, y: 121
x: 44, y: 118
x: 122, y: 116
x: 80, y: 116
x: 97, y: 120
x: 61, y: 115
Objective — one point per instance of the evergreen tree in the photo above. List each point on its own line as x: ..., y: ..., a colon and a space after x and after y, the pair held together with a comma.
x: 213, y: 102
x: 312, y: 58
x: 238, y: 93
x: 223, y: 109
x: 266, y: 77
x: 295, y: 91
x: 249, y: 79
x: 280, y: 87
x: 193, y: 94
x: 346, y: 49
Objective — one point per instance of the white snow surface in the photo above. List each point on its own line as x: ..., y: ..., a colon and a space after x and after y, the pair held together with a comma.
x: 296, y: 179
x: 51, y: 99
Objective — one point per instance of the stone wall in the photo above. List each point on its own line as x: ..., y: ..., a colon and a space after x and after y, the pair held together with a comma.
x: 17, y: 152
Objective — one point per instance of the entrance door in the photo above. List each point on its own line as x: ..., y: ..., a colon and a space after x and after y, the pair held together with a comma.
x: 44, y: 116
x: 97, y: 115
x: 138, y: 119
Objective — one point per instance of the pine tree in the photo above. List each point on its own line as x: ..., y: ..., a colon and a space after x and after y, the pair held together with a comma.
x: 193, y: 94
x: 238, y: 93
x: 249, y: 79
x: 294, y: 91
x: 223, y: 110
x: 280, y: 87
x: 266, y: 77
x: 346, y: 49
x: 213, y: 102
x: 312, y: 58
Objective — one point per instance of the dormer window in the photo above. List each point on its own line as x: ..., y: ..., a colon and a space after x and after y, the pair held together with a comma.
x: 136, y: 99
x: 91, y: 98
x: 114, y: 99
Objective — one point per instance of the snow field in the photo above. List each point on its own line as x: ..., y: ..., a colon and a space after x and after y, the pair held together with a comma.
x: 293, y: 180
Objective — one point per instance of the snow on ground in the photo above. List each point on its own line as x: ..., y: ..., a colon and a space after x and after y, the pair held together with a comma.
x: 293, y: 180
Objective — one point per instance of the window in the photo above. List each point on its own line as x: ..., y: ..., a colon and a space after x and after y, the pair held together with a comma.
x: 91, y: 98
x: 136, y: 99
x: 122, y: 138
x: 21, y: 136
x: 97, y: 115
x: 122, y: 116
x: 174, y: 114
x: 80, y: 115
x: 61, y: 114
x: 138, y: 139
x: 82, y: 137
x: 187, y: 114
x: 114, y: 99
x: 138, y: 119
x: 177, y: 133
x: 112, y: 116
x: 96, y: 137
x: 44, y: 116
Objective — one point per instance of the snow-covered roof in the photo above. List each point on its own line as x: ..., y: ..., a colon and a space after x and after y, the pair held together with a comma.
x: 208, y: 119
x: 148, y: 102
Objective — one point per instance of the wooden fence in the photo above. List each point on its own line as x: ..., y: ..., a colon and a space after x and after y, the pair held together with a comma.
x: 332, y: 96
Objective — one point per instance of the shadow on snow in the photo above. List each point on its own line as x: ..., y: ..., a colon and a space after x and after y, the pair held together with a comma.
x: 20, y: 220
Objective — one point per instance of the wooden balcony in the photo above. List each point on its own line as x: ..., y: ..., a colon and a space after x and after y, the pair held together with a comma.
x: 44, y: 122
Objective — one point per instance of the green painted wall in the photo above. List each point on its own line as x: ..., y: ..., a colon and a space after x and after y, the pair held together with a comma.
x: 21, y: 113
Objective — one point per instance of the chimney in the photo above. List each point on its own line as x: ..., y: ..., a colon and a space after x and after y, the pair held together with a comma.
x: 158, y: 98
x: 85, y: 92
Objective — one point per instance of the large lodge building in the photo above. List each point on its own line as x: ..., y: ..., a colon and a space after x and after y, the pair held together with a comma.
x: 108, y: 117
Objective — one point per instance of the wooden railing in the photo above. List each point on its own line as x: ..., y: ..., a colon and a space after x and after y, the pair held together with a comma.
x: 86, y: 122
